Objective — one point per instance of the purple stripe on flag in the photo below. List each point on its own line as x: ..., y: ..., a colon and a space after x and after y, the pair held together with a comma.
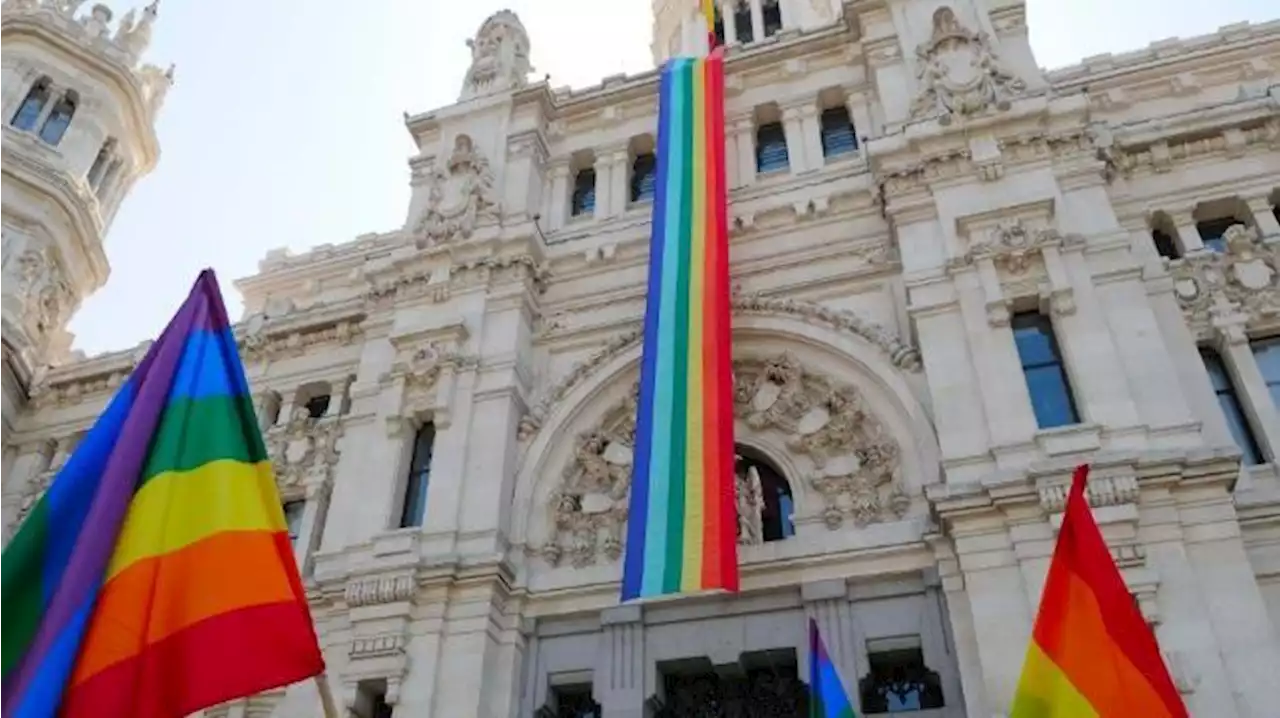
x: 93, y: 548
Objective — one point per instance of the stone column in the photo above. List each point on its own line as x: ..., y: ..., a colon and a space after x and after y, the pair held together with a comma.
x: 619, y: 679
x: 1250, y: 386
x: 744, y: 136
x: 791, y: 126
x: 726, y: 19
x: 757, y: 20
x: 603, y: 167
x: 1264, y: 216
x: 860, y: 114
x: 827, y: 603
x: 309, y: 529
x: 811, y: 135
x: 1185, y: 227
x: 557, y: 202
x: 621, y: 189
x: 960, y: 619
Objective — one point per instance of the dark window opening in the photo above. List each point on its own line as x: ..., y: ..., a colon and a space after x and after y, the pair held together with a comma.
x: 1212, y: 231
x: 371, y: 700
x: 898, y: 680
x: 742, y: 22
x: 772, y: 12
x: 838, y: 134
x: 293, y: 518
x: 584, y: 192
x: 1047, y: 382
x: 571, y: 701
x: 415, y: 492
x: 718, y: 28
x: 1165, y: 245
x: 317, y: 406
x: 778, y: 509
x: 1232, y: 410
x: 765, y: 683
x: 29, y: 111
x: 771, y: 148
x: 644, y: 174
x: 60, y: 119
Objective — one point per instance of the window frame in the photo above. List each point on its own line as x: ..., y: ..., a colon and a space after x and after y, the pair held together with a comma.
x: 778, y: 166
x: 824, y: 134
x: 417, y: 483
x: 1031, y: 366
x: 44, y: 86
x: 1231, y: 406
x: 582, y: 199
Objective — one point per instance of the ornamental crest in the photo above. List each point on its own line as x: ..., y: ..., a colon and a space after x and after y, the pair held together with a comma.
x: 1245, y: 278
x: 460, y: 192
x: 959, y: 72
x: 304, y: 451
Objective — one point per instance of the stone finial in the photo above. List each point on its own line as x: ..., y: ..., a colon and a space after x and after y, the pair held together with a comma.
x: 135, y: 38
x: 499, y: 57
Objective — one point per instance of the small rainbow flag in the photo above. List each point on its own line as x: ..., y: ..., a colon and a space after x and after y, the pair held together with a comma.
x: 155, y: 577
x: 1091, y: 653
x: 827, y: 697
x: 682, y: 527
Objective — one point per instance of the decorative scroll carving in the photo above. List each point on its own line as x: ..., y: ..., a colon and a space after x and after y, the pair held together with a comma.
x: 856, y: 461
x: 304, y: 451
x: 499, y: 57
x: 1245, y: 279
x: 1014, y: 246
x: 959, y: 72
x: 460, y: 192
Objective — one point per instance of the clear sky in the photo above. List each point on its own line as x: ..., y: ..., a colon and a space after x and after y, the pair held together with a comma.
x: 285, y: 125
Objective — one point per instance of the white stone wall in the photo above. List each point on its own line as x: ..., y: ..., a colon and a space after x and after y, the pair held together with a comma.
x: 980, y: 188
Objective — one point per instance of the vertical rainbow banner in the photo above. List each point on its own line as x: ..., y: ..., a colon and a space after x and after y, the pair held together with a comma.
x: 1091, y: 652
x: 682, y: 527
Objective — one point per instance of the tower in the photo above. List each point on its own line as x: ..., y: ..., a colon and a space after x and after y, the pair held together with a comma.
x: 78, y: 112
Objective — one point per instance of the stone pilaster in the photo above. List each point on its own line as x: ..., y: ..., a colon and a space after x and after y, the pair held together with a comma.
x: 827, y: 603
x: 743, y: 134
x: 793, y: 128
x: 619, y: 680
x: 604, y: 185
x: 1250, y: 385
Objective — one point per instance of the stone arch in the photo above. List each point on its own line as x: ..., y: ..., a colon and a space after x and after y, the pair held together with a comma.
x: 599, y: 400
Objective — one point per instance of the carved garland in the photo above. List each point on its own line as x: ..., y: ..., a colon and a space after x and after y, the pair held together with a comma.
x: 856, y: 462
x: 903, y: 356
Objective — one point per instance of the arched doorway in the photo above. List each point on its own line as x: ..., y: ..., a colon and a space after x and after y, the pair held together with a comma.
x: 774, y: 501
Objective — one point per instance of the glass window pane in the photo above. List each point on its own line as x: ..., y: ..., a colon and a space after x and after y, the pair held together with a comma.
x: 1267, y: 352
x: 1035, y: 343
x: 838, y: 137
x: 771, y: 148
x: 1238, y: 423
x: 419, y: 479
x: 1050, y: 397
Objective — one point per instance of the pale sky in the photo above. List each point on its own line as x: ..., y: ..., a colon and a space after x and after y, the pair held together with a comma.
x: 285, y: 126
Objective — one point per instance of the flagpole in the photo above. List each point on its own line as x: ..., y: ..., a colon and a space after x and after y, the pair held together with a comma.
x: 327, y: 702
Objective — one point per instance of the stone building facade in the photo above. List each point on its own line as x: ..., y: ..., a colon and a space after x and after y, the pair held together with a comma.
x: 955, y: 276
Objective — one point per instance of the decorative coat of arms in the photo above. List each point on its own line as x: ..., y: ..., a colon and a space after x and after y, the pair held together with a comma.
x: 959, y: 72
x: 460, y: 192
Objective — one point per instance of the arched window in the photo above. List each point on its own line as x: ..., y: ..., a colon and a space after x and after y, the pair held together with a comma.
x: 99, y: 167
x: 584, y: 192
x: 775, y: 502
x: 56, y: 125
x: 771, y: 148
x: 644, y: 172
x: 32, y: 105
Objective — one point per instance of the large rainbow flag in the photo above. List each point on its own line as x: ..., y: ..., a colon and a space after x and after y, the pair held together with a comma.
x: 682, y: 526
x: 155, y: 577
x: 1091, y: 654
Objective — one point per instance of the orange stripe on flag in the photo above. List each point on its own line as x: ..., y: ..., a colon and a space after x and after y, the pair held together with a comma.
x: 157, y: 597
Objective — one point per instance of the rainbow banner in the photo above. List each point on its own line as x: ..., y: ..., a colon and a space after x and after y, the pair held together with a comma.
x: 827, y: 697
x: 682, y: 527
x: 155, y: 577
x: 1091, y: 653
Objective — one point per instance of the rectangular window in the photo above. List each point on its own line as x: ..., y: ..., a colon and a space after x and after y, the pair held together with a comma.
x: 838, y: 136
x: 584, y: 192
x: 771, y: 148
x: 1211, y: 232
x: 1165, y: 246
x: 644, y: 172
x: 293, y: 518
x: 1042, y: 366
x: 1267, y: 352
x: 415, y: 490
x: 1229, y: 402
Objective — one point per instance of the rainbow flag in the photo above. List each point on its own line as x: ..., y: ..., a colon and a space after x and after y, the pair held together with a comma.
x: 708, y: 9
x: 827, y: 698
x: 682, y: 527
x: 1091, y: 653
x: 155, y: 577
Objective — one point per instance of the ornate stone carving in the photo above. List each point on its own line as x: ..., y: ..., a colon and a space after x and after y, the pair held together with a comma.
x: 304, y: 451
x: 155, y: 85
x: 856, y: 461
x: 1245, y: 278
x: 1014, y: 246
x: 372, y: 590
x: 499, y: 57
x: 959, y: 72
x: 134, y: 37
x: 460, y: 192
x: 749, y: 498
x: 48, y: 299
x: 263, y: 338
x: 901, y: 354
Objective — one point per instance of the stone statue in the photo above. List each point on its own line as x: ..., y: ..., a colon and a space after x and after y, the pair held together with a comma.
x: 95, y: 24
x: 499, y: 57
x: 134, y: 39
x: 155, y: 85
x: 749, y: 495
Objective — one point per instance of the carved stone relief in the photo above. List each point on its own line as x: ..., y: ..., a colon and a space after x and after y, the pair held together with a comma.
x: 959, y: 72
x: 460, y: 192
x: 499, y: 57
x: 304, y: 452
x: 1245, y: 278
x: 48, y: 299
x: 856, y: 462
x: 426, y: 374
